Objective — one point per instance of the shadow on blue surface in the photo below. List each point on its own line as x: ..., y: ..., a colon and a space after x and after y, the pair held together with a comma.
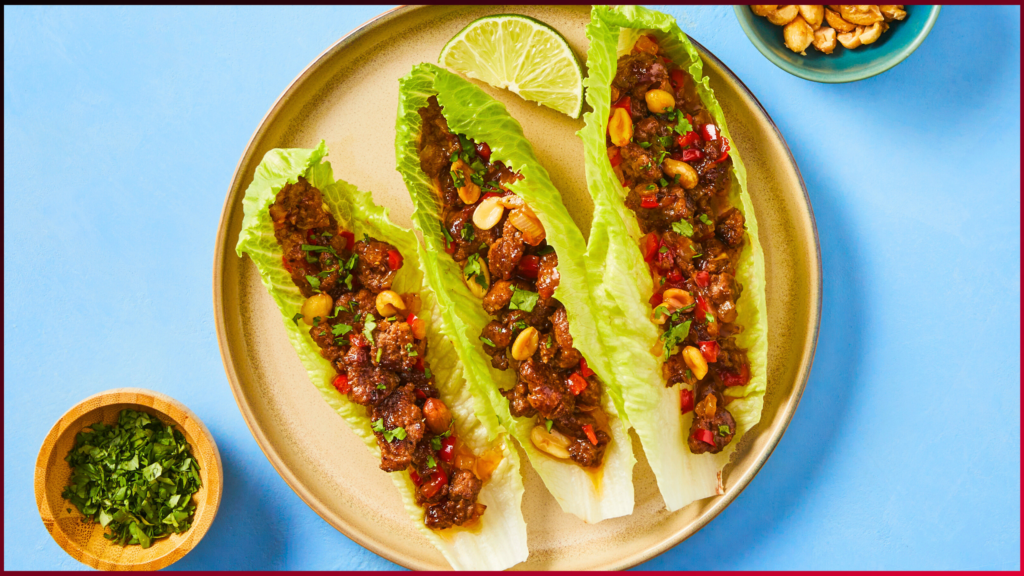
x: 248, y: 523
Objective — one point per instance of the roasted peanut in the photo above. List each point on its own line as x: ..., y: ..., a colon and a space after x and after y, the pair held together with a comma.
x: 860, y: 14
x: 825, y: 40
x: 892, y: 12
x: 488, y: 213
x: 688, y: 177
x: 798, y: 35
x: 526, y: 344
x: 437, y: 416
x: 469, y: 192
x: 389, y: 302
x: 871, y: 33
x: 552, y: 442
x: 659, y: 101
x: 676, y: 299
x: 836, y: 21
x: 316, y: 306
x: 813, y: 15
x: 695, y: 362
x: 850, y: 40
x: 620, y: 127
x: 784, y: 15
x: 764, y: 9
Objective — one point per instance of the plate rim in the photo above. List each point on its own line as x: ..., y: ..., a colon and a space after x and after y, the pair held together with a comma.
x: 234, y: 188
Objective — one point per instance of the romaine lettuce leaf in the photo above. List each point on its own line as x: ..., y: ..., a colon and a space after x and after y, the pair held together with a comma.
x: 622, y: 283
x: 500, y: 540
x: 471, y: 111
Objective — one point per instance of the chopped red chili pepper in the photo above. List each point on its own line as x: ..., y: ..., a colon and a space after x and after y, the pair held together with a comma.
x: 651, y: 245
x: 709, y: 132
x: 529, y: 266
x: 490, y: 195
x: 702, y: 278
x: 685, y: 400
x: 585, y: 370
x: 677, y: 78
x: 689, y: 139
x: 701, y: 309
x: 649, y: 201
x: 709, y: 350
x: 615, y: 157
x: 448, y: 449
x: 415, y: 478
x: 734, y: 379
x: 449, y: 247
x: 692, y: 155
x: 589, y: 431
x: 675, y: 276
x: 705, y: 436
x: 438, y: 480
x: 484, y: 151
x: 420, y: 366
x: 394, y: 260
x: 421, y: 394
x: 725, y: 151
x: 577, y: 383
x: 341, y: 383
x: 625, y: 103
x: 350, y: 239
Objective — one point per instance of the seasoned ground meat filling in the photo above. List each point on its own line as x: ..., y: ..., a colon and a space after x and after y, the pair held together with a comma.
x: 500, y: 244
x: 667, y: 150
x: 378, y: 352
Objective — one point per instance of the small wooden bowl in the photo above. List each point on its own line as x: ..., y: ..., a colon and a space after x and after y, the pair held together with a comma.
x: 85, y: 541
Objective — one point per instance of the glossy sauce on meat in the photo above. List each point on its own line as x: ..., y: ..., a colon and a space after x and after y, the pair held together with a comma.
x: 693, y: 235
x: 553, y: 384
x: 379, y: 361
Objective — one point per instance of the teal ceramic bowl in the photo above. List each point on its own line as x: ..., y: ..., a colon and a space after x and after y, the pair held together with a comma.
x: 842, y: 65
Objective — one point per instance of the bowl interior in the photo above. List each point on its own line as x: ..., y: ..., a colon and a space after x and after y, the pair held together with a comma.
x: 842, y: 65
x: 84, y: 540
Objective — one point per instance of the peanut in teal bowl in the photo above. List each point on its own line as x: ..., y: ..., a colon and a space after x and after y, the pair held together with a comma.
x: 843, y: 65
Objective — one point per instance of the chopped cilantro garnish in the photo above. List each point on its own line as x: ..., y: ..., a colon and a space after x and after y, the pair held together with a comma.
x: 409, y: 350
x: 644, y: 144
x: 348, y: 281
x: 435, y: 442
x: 665, y: 141
x: 523, y: 300
x: 431, y: 462
x: 709, y: 317
x: 661, y: 157
x: 477, y: 178
x: 683, y: 227
x: 368, y: 327
x: 389, y: 435
x: 652, y: 187
x: 723, y: 430
x: 296, y: 318
x: 379, y: 352
x: 519, y: 325
x: 663, y: 249
x: 315, y: 248
x: 314, y: 282
x: 675, y: 335
x: 663, y: 182
x: 474, y: 270
x: 548, y: 424
x: 467, y: 233
x: 426, y: 373
x: 684, y: 125
x: 341, y: 329
x: 458, y: 179
x: 704, y: 218
x: 488, y: 341
x: 447, y: 235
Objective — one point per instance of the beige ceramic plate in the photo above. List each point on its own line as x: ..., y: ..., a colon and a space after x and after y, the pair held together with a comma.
x: 348, y: 96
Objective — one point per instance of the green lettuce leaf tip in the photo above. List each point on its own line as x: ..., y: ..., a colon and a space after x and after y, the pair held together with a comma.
x: 499, y: 541
x: 472, y: 112
x: 623, y: 284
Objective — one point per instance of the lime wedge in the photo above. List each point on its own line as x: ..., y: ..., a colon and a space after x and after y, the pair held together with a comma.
x: 522, y: 54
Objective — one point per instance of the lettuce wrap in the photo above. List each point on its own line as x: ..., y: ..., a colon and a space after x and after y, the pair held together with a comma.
x: 499, y: 541
x: 592, y: 496
x: 622, y: 284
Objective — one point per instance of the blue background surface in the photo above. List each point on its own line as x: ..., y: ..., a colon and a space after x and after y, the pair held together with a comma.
x: 122, y: 127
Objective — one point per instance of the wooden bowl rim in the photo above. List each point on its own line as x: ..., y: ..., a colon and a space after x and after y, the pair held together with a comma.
x: 187, y: 421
